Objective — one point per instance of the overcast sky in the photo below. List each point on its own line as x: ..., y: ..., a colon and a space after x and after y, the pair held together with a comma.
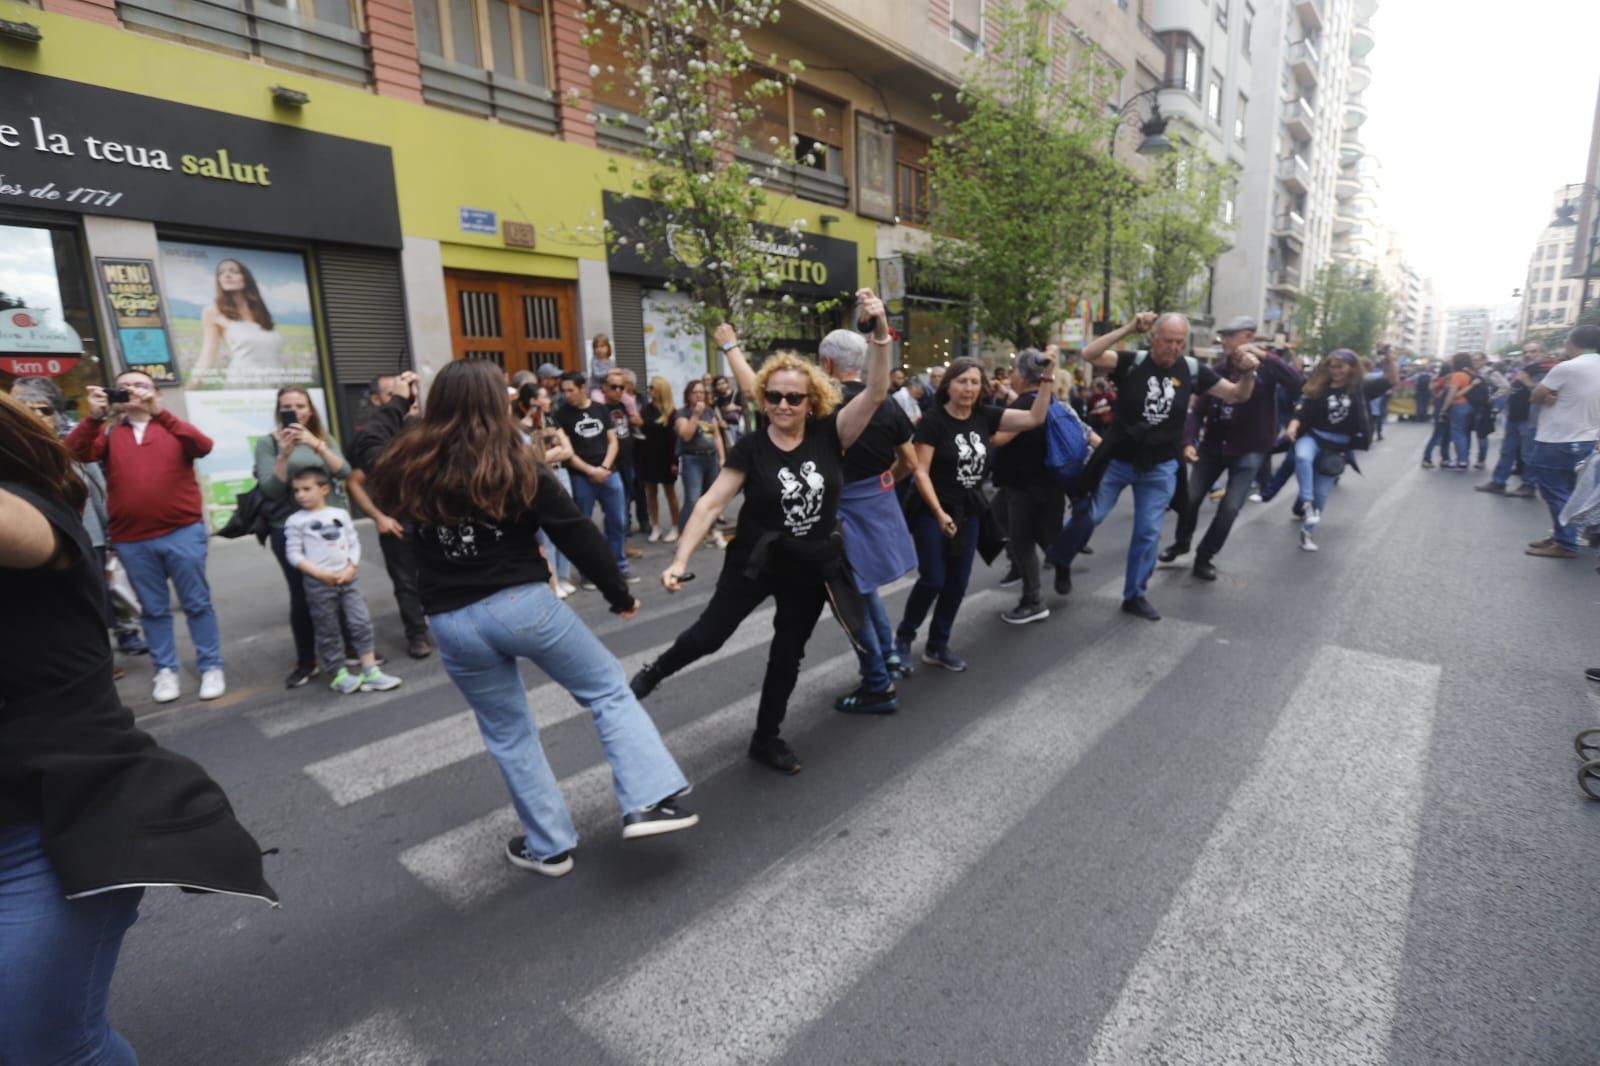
x: 1478, y: 113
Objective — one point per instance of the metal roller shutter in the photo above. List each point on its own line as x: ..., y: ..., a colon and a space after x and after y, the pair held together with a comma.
x: 364, y: 319
x: 627, y: 327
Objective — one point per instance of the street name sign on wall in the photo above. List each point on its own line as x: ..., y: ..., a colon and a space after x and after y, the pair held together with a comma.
x: 67, y: 146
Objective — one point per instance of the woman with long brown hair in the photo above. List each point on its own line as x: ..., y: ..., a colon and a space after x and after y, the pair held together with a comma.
x: 238, y: 320
x: 478, y: 498
x: 1329, y: 422
x: 298, y: 443
x: 91, y: 810
x: 788, y: 546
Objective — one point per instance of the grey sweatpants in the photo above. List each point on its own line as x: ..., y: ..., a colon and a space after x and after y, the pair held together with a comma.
x: 325, y: 603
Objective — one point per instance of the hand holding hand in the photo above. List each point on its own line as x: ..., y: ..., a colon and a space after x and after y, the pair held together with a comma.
x: 599, y: 475
x: 97, y: 401
x: 1190, y: 454
x: 347, y: 576
x: 1248, y: 361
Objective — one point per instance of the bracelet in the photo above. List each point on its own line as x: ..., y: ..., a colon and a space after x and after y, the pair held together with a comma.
x: 886, y: 341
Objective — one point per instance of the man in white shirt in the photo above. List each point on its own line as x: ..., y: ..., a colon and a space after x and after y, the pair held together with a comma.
x: 1569, y: 425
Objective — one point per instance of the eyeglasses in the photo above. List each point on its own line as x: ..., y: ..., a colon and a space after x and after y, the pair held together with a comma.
x: 793, y: 399
x: 610, y: 385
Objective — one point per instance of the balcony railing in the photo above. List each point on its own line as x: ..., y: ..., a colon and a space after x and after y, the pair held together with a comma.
x: 806, y: 182
x: 258, y: 29
x: 483, y: 92
x: 1304, y: 62
x: 1294, y: 172
x: 1284, y: 279
x: 1300, y: 115
x: 1310, y: 12
x: 1291, y: 227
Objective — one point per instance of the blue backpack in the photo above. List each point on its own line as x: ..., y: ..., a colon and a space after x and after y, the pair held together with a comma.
x: 1066, y: 443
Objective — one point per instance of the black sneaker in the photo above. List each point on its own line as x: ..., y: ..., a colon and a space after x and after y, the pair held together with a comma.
x: 773, y: 752
x: 419, y: 647
x: 1204, y: 570
x: 1063, y: 580
x: 1592, y: 673
x: 944, y: 659
x: 1173, y: 553
x: 1427, y: 464
x: 1012, y: 577
x: 1490, y: 486
x: 645, y: 681
x: 1142, y: 607
x: 518, y: 855
x: 1086, y: 550
x: 129, y: 642
x: 300, y: 675
x: 1023, y: 613
x: 668, y: 816
x: 865, y: 701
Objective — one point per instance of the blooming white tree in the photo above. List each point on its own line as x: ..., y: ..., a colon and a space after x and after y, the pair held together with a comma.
x: 699, y: 90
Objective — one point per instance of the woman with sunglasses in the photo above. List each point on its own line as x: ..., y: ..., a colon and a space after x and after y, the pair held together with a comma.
x: 953, y: 443
x: 791, y: 472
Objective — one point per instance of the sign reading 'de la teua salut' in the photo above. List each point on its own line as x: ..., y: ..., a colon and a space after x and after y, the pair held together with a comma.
x: 67, y: 146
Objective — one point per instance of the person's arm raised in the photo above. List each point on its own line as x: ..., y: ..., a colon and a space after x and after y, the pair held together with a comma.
x: 857, y: 414
x: 1101, y: 351
x: 728, y: 341
x: 1014, y: 421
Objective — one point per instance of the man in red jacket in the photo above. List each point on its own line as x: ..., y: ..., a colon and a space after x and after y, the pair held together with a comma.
x: 157, y: 525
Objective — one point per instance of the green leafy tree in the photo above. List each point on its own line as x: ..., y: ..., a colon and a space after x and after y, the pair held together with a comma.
x: 1168, y: 236
x: 1020, y: 177
x: 698, y: 88
x: 1343, y: 307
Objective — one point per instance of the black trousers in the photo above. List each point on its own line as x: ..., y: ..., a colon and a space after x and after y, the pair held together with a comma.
x: 400, y: 559
x: 800, y: 599
x: 1241, y: 471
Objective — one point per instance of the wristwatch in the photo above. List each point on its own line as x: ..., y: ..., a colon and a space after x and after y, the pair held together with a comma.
x: 726, y: 348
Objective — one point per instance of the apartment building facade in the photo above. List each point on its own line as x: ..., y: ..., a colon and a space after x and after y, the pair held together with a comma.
x: 1550, y: 295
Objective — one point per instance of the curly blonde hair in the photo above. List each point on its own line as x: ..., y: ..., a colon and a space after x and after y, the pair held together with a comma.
x: 823, y: 391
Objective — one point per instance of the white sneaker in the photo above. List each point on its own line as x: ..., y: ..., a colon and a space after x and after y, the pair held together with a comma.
x: 565, y: 588
x: 212, y: 684
x: 655, y: 534
x: 672, y: 535
x: 718, y: 540
x: 1306, y: 543
x: 561, y: 593
x: 1255, y: 497
x: 1313, y: 516
x: 166, y: 686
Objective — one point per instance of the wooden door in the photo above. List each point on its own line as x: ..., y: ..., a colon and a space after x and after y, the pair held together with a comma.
x: 515, y: 322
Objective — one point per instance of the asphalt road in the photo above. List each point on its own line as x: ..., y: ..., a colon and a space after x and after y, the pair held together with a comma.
x: 1324, y: 812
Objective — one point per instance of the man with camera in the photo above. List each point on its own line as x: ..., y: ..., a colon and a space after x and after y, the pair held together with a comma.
x: 157, y: 522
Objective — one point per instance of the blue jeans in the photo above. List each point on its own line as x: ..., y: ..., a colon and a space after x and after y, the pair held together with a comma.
x: 698, y: 472
x: 876, y: 638
x: 1441, y: 439
x: 56, y: 960
x: 1516, y: 446
x: 1315, y: 485
x: 1152, y: 492
x: 613, y: 505
x: 179, y: 557
x: 480, y: 644
x: 944, y: 566
x: 1461, y: 432
x: 1555, y: 466
x: 560, y: 565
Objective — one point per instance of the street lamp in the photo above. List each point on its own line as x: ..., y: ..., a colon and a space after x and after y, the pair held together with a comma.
x: 1155, y: 143
x: 1564, y: 217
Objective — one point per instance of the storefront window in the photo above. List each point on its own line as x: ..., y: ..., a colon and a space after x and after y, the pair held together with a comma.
x: 47, y: 323
x: 931, y: 337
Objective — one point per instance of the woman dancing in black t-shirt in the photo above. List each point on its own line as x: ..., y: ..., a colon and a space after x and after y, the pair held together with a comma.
x: 791, y: 472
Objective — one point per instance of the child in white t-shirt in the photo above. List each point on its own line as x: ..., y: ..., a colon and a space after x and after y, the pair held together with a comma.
x: 321, y: 542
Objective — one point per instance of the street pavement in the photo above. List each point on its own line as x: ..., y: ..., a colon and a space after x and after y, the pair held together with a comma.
x: 1324, y: 812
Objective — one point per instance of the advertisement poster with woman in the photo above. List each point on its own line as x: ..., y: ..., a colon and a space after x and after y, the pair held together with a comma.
x: 242, y: 327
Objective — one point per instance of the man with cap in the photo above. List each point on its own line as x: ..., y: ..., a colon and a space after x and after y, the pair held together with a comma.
x: 550, y: 378
x: 1235, y: 438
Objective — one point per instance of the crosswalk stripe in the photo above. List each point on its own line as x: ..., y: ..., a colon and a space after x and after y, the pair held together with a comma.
x: 380, y: 1040
x: 898, y: 853
x: 365, y: 771
x: 1286, y: 941
x: 464, y: 865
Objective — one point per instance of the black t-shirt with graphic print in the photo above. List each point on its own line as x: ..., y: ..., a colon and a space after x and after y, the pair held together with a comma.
x: 586, y: 429
x: 874, y: 452
x: 1152, y: 403
x: 1333, y: 412
x: 618, y: 415
x: 795, y: 493
x: 960, y: 454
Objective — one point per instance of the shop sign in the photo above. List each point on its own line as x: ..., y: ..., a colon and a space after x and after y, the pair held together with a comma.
x: 67, y: 146
x: 37, y: 366
x: 476, y: 220
x: 33, y: 331
x: 874, y: 168
x: 140, y: 320
x: 810, y: 266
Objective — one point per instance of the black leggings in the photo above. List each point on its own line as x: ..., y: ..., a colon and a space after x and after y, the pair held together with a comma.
x: 800, y: 600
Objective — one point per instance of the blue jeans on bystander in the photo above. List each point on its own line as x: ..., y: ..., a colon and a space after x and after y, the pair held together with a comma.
x: 613, y: 504
x: 698, y: 472
x: 1555, y: 466
x: 1152, y: 492
x: 1515, y: 446
x: 179, y: 557
x: 1314, y: 484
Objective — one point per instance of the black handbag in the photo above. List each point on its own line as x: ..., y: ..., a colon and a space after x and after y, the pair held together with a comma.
x: 1329, y: 463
